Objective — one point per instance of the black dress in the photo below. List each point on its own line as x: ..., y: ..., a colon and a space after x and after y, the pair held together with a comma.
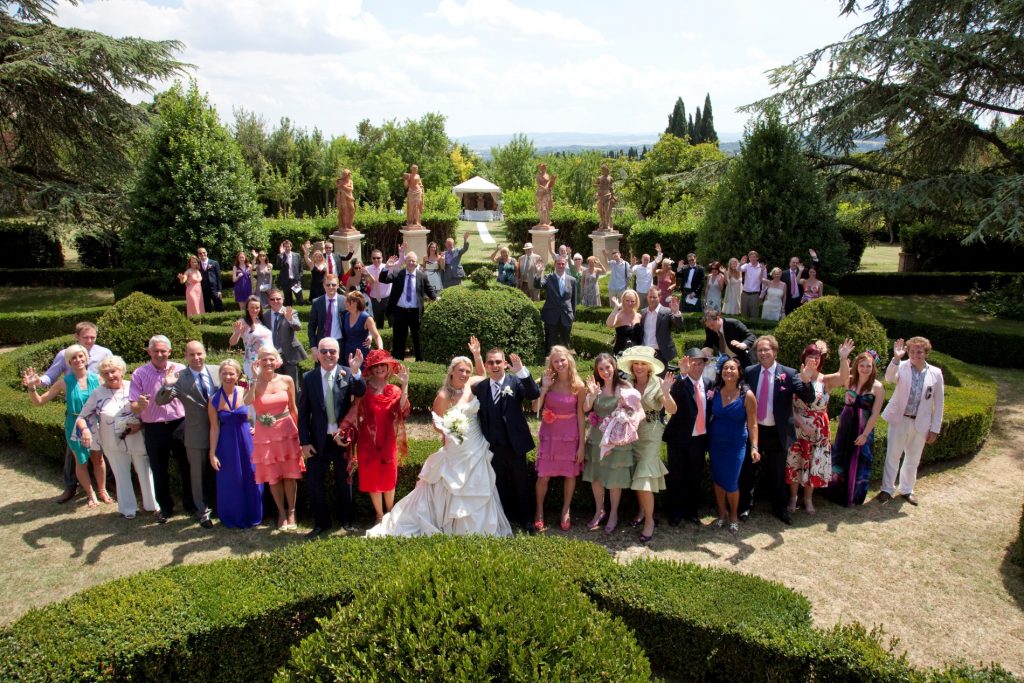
x: 627, y: 336
x: 316, y: 282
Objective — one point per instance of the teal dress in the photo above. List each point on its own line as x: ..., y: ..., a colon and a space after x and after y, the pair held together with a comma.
x: 615, y: 470
x: 76, y: 398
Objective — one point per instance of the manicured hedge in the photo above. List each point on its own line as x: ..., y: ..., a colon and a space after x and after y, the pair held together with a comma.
x: 895, y: 284
x: 974, y: 344
x: 30, y: 245
x: 676, y: 240
x: 236, y: 619
x: 941, y: 247
x: 98, y: 248
x: 61, y: 277
x: 27, y: 328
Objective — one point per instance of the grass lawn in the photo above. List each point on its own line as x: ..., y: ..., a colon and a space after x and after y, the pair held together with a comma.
x: 25, y: 299
x: 950, y: 309
x: 881, y: 258
x: 478, y: 251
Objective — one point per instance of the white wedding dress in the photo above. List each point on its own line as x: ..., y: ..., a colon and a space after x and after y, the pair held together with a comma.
x: 455, y: 493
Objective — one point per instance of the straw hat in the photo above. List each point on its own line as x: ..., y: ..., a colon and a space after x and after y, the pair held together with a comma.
x: 640, y: 354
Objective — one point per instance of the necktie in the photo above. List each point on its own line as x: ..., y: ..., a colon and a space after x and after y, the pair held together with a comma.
x: 330, y: 264
x: 495, y: 391
x: 561, y: 286
x: 203, y: 387
x: 332, y: 416
x: 274, y: 320
x: 762, y: 396
x: 698, y: 396
x: 792, y: 284
x: 329, y: 318
x: 408, y: 288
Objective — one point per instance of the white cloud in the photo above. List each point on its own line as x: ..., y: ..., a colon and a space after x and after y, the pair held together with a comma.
x: 507, y: 16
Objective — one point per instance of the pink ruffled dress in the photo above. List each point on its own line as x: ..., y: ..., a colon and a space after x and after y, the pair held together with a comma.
x: 275, y: 448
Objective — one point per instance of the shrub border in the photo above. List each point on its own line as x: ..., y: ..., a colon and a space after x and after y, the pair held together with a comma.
x: 236, y: 619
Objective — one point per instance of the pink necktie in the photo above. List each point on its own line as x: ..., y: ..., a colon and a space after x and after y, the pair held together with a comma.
x: 792, y: 284
x: 698, y: 396
x: 330, y: 264
x: 762, y: 396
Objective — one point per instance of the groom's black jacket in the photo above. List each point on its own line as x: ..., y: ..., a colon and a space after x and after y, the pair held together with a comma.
x: 503, y: 423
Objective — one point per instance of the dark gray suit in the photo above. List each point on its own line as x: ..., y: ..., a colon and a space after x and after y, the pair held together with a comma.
x: 286, y: 283
x: 291, y: 349
x: 667, y: 323
x: 559, y: 309
x: 197, y: 430
x: 453, y: 271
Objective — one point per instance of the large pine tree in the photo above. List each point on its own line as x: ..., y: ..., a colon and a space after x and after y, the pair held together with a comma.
x: 771, y: 201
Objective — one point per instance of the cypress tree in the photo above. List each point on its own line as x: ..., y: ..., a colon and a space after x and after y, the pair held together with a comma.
x: 707, y: 124
x: 698, y: 129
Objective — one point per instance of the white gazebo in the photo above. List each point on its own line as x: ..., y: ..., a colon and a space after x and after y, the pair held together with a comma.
x: 481, y: 199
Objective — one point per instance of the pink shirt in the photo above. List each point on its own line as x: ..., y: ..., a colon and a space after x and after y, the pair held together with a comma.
x: 147, y: 380
x: 378, y: 290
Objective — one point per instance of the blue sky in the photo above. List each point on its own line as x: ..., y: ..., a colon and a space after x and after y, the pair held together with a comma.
x: 490, y: 66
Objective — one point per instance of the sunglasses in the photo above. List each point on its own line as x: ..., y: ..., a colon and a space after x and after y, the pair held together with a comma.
x: 329, y: 352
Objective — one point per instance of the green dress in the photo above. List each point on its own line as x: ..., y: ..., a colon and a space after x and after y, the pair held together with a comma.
x: 75, y: 396
x: 615, y: 470
x: 649, y: 471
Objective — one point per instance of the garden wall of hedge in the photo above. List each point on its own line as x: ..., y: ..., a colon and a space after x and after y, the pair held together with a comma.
x: 236, y: 619
x: 896, y: 284
x: 574, y: 228
x: 941, y: 247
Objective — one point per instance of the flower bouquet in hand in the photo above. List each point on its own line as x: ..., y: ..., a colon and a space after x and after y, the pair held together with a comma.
x: 453, y: 424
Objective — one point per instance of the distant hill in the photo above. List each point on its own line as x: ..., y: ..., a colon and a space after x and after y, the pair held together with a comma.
x: 574, y: 143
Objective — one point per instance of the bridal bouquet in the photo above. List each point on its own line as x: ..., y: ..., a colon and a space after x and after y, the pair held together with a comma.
x: 454, y: 424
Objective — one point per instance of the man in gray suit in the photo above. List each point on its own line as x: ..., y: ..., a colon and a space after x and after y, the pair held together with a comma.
x: 453, y: 271
x: 559, y: 309
x: 659, y: 322
x: 194, y: 387
x: 283, y: 322
x: 289, y: 279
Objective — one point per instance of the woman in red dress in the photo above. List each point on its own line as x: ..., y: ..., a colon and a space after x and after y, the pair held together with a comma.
x: 379, y: 418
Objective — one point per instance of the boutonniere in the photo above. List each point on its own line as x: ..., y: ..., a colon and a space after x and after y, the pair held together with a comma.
x: 594, y: 419
x: 507, y: 391
x: 781, y: 377
x: 710, y: 394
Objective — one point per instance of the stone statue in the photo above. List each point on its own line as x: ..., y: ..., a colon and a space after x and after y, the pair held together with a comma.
x: 413, y: 196
x: 605, y: 199
x: 345, y: 200
x: 545, y: 184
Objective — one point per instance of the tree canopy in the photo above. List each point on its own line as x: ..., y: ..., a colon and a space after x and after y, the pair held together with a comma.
x: 65, y: 130
x: 933, y: 74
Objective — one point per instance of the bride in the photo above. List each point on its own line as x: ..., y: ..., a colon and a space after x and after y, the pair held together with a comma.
x: 455, y: 493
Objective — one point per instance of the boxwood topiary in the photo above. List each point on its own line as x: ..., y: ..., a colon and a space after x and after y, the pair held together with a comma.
x: 833, y: 319
x: 462, y: 619
x: 496, y: 314
x: 129, y: 324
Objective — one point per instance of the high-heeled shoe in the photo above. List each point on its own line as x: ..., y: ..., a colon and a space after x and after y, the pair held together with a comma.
x: 596, y: 523
x: 644, y: 538
x: 566, y: 523
x: 610, y: 528
x: 636, y: 522
x: 538, y: 526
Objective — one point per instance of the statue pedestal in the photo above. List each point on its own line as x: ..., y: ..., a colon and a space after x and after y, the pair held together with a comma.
x: 415, y: 238
x: 543, y: 235
x: 604, y: 240
x: 346, y: 242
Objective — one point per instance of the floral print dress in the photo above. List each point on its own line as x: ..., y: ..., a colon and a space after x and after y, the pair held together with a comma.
x: 809, y: 461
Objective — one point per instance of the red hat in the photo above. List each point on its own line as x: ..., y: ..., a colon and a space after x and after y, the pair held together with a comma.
x: 380, y: 357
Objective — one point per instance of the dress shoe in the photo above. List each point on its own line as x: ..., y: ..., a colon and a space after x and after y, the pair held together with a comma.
x: 206, y: 522
x: 745, y: 515
x: 785, y: 518
x: 694, y: 520
x: 69, y: 493
x: 884, y: 497
x: 910, y: 498
x: 316, y: 532
x: 161, y: 518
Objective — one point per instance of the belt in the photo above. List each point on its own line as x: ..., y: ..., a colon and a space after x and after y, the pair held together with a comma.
x: 268, y: 420
x: 652, y: 416
x: 756, y: 291
x: 912, y: 417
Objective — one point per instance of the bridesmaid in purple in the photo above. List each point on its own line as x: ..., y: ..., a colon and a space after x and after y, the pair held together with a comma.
x: 193, y: 281
x: 560, y: 453
x: 239, y: 497
x: 242, y: 272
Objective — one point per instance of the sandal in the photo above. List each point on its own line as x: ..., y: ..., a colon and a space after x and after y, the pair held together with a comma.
x: 566, y: 523
x: 595, y: 524
x: 791, y: 508
x: 636, y: 522
x: 718, y: 523
x: 610, y: 528
x: 644, y: 538
x: 734, y: 527
x: 105, y: 497
x: 809, y: 506
x: 539, y: 526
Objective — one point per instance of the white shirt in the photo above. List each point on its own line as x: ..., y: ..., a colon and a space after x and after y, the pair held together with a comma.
x: 651, y: 327
x: 769, y: 419
x: 752, y: 276
x: 378, y: 290
x: 288, y: 257
x: 689, y: 277
x: 644, y: 277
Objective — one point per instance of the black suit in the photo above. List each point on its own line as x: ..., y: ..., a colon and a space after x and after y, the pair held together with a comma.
x: 212, y: 299
x: 686, y: 452
x: 504, y: 426
x: 313, y: 432
x: 317, y: 325
x: 732, y: 330
x: 696, y: 285
x: 773, y: 443
x: 284, y: 282
x: 791, y: 302
x: 405, y: 317
x: 559, y: 309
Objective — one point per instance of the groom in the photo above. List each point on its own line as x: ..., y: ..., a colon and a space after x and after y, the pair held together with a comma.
x: 504, y: 426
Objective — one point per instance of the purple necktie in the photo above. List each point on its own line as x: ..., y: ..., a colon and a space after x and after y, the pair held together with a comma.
x: 762, y: 396
x: 329, y: 318
x: 792, y: 284
x: 408, y: 288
